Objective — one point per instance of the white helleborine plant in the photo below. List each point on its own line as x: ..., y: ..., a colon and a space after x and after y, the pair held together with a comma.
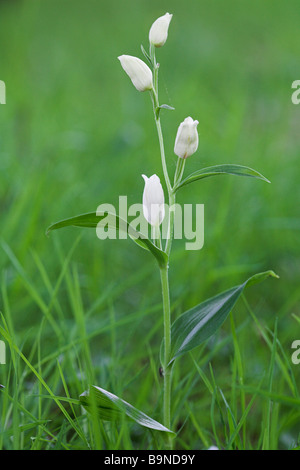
x: 153, y: 200
x: 158, y: 33
x: 195, y: 326
x: 138, y: 72
x: 186, y: 142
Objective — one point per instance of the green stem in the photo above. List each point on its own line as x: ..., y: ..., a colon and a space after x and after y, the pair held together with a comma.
x: 164, y: 271
x: 156, y: 110
x: 179, y: 171
x: 157, y: 237
x: 172, y: 201
x: 167, y: 346
x: 161, y: 140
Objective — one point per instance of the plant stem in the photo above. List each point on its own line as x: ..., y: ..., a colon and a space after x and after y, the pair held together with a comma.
x: 179, y: 171
x: 167, y: 346
x: 171, y: 223
x: 156, y: 110
x: 157, y: 238
x: 161, y: 140
x: 164, y: 271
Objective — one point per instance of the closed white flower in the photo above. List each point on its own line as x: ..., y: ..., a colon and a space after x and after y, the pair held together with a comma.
x: 153, y: 200
x: 159, y: 30
x: 139, y: 73
x: 186, y: 142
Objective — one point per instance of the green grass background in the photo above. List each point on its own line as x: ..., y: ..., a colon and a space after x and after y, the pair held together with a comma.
x: 75, y: 133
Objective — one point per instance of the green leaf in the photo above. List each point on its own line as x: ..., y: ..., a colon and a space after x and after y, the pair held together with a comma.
x: 25, y: 427
x: 110, y: 407
x: 92, y: 219
x: 199, y: 323
x: 296, y: 318
x: 284, y: 399
x: 146, y: 55
x: 166, y: 106
x: 228, y: 169
x: 162, y: 106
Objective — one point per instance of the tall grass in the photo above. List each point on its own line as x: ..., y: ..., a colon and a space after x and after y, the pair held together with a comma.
x: 77, y: 311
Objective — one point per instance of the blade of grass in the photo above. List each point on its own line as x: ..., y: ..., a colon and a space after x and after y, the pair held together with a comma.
x: 13, y: 346
x: 240, y: 369
x: 267, y: 423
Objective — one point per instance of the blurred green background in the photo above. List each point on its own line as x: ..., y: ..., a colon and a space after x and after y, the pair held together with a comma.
x: 75, y: 133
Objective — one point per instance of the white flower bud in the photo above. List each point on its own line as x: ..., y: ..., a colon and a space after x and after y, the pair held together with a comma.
x: 159, y: 30
x: 138, y: 72
x: 186, y: 142
x: 153, y: 200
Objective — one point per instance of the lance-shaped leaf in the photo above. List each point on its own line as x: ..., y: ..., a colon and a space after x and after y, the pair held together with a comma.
x: 146, y: 55
x: 199, y: 323
x: 111, y: 407
x: 228, y: 169
x: 166, y: 106
x: 114, y: 222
